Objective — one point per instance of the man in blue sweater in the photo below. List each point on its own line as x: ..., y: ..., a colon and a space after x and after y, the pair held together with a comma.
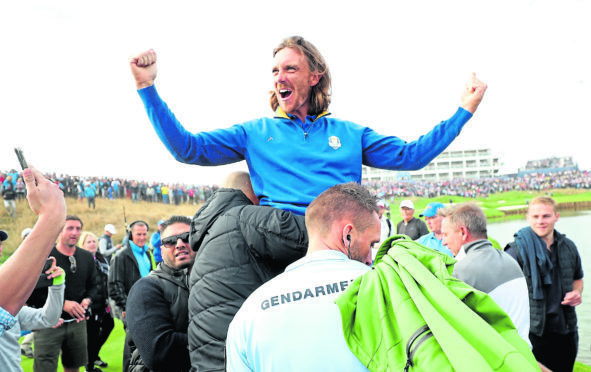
x: 300, y: 151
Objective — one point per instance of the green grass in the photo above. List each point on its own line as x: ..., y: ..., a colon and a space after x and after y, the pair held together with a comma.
x: 112, y: 353
x: 493, y: 205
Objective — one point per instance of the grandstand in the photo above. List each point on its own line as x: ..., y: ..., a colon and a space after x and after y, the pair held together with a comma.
x: 549, y: 165
x: 449, y: 165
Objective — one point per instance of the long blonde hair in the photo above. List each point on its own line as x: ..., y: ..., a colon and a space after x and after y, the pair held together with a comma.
x: 83, y: 237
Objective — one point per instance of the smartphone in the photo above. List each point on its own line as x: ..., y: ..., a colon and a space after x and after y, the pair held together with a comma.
x: 21, y: 158
x: 47, y: 266
x: 43, y: 282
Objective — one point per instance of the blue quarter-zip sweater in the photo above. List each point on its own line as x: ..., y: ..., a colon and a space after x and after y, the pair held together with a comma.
x: 291, y: 162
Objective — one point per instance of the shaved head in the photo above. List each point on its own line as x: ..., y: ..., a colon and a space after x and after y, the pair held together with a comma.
x: 241, y: 181
x: 348, y: 200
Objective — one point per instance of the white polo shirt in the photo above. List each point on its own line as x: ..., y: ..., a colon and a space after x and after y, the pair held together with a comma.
x: 291, y: 322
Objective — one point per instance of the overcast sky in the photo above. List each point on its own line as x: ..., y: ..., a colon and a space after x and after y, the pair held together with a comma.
x: 68, y: 98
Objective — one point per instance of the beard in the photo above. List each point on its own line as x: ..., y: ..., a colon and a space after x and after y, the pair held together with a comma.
x: 355, y: 253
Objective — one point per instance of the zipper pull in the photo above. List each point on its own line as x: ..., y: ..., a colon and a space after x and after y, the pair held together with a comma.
x: 416, y: 337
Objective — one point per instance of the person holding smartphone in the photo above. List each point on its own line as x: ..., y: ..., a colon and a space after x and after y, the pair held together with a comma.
x: 47, y: 202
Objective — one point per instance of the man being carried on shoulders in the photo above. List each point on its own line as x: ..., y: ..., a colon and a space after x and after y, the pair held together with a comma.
x: 302, y: 150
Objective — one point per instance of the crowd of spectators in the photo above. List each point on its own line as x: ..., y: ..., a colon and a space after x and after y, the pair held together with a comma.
x: 481, y: 187
x: 116, y: 188
x: 113, y: 188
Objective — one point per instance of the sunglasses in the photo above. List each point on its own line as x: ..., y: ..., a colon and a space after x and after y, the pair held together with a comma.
x: 73, y: 266
x: 170, y: 242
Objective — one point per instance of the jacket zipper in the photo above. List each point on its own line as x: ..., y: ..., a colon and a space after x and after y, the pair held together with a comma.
x: 302, y: 127
x: 411, y: 349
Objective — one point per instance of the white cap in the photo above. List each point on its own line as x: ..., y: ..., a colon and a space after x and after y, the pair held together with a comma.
x: 408, y: 204
x: 111, y: 229
x: 26, y: 232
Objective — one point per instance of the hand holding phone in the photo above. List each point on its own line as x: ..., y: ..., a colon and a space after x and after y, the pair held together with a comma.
x: 48, y: 279
x: 48, y: 264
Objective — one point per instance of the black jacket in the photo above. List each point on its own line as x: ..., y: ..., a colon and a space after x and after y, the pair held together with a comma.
x: 239, y: 247
x: 157, y: 321
x: 8, y: 192
x: 569, y: 264
x: 99, y: 303
x: 415, y: 228
x: 123, y: 274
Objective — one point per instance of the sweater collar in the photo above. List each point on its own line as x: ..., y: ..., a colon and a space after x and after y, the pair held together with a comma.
x: 137, y: 249
x: 476, y: 244
x: 280, y: 114
x: 170, y: 271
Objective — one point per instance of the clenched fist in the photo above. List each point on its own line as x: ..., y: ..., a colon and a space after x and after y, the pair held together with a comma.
x: 143, y: 68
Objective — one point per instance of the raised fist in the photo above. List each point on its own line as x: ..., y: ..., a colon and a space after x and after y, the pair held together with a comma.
x: 143, y: 68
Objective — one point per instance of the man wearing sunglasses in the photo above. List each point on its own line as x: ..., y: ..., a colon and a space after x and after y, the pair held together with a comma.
x: 81, y: 287
x: 157, y: 305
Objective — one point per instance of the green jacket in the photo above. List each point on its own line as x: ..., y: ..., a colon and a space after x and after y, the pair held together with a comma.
x: 390, y: 314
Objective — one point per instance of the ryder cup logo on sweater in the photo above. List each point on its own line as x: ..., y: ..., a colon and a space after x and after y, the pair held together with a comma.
x: 334, y: 142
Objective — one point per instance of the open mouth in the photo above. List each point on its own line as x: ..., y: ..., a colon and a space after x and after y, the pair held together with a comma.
x: 182, y: 254
x: 285, y: 93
